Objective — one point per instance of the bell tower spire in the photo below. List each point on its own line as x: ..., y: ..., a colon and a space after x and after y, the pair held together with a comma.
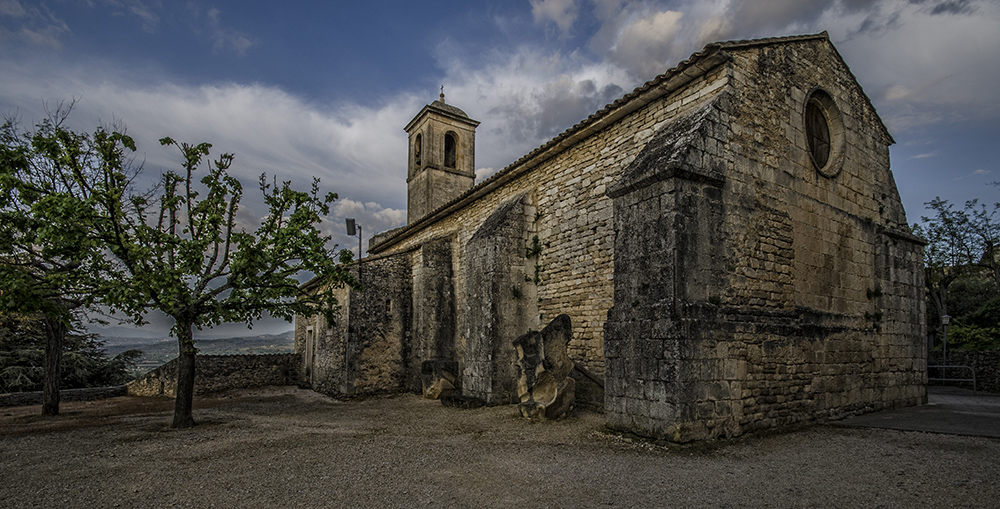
x: 442, y: 157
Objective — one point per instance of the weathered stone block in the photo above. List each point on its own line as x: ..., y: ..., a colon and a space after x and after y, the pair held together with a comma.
x: 543, y: 384
x: 439, y: 378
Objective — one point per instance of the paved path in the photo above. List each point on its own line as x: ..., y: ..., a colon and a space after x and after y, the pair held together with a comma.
x: 948, y: 410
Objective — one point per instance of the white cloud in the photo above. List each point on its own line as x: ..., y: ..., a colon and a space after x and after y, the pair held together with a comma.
x: 646, y: 46
x: 896, y: 92
x: 371, y: 216
x: 483, y: 173
x: 358, y: 152
x: 145, y: 11
x: 35, y: 26
x: 926, y: 79
x: 225, y: 38
x: 561, y: 12
x: 915, y: 78
x: 12, y: 8
x: 525, y: 97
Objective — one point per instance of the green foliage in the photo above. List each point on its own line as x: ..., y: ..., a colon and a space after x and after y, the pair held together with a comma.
x: 961, y: 239
x: 51, y: 266
x: 534, y: 250
x: 978, y: 329
x: 185, y: 254
x: 49, y: 262
x: 968, y: 293
x: 986, y: 315
x: 84, y: 362
x: 178, y: 248
x: 971, y: 337
x: 962, y: 268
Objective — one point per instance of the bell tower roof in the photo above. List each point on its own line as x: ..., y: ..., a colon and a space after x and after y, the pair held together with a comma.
x: 441, y: 108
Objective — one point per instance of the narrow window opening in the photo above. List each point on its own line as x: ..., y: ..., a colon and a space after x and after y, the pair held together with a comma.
x: 449, y: 150
x: 417, y: 147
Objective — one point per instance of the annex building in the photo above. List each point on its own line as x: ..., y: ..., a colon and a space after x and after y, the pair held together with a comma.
x: 727, y: 241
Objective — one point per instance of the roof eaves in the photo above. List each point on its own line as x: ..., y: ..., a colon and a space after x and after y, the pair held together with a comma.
x: 690, y: 68
x: 675, y: 77
x: 446, y: 112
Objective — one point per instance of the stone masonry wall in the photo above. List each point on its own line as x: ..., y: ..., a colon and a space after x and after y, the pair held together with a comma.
x: 750, y: 290
x: 855, y: 272
x: 669, y: 255
x: 496, y: 296
x: 572, y: 220
x: 434, y: 328
x: 378, y: 342
x: 768, y: 292
x: 216, y: 373
x: 322, y: 347
x: 368, y: 349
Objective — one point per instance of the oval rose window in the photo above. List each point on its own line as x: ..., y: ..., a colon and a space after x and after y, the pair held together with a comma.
x: 824, y: 131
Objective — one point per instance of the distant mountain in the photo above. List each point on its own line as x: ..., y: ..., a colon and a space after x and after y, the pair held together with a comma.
x: 158, y: 351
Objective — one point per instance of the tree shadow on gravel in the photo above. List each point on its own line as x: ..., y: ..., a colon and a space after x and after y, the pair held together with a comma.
x: 125, y: 410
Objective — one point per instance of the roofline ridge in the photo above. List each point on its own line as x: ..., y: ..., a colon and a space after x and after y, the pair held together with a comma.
x: 705, y: 53
x: 737, y: 43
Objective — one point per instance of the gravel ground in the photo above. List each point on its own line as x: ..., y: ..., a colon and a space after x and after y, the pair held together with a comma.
x: 286, y: 447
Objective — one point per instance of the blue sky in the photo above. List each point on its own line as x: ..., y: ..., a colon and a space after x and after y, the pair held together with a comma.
x: 302, y: 89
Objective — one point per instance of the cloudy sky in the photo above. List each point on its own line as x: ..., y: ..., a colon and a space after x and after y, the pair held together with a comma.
x: 303, y: 89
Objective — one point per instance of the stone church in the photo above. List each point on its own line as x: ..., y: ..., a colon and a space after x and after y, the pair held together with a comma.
x: 727, y: 242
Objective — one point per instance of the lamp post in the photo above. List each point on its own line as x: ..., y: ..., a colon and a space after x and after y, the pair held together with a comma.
x: 351, y: 231
x: 352, y: 228
x: 944, y: 357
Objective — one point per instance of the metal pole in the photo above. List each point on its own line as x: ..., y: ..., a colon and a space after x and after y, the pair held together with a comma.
x: 944, y: 356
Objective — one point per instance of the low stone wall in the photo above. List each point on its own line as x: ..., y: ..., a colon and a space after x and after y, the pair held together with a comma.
x: 85, y: 394
x: 986, y: 364
x: 216, y: 373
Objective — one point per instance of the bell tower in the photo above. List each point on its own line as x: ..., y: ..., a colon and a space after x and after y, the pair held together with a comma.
x: 442, y: 158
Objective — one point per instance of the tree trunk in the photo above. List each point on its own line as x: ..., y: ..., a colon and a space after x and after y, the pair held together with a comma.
x: 185, y: 377
x: 55, y: 337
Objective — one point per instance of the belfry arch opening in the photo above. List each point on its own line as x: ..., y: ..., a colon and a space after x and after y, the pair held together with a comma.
x: 450, y: 145
x: 417, y: 148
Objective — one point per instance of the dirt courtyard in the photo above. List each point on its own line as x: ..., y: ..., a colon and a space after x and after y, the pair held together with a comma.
x: 287, y: 447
